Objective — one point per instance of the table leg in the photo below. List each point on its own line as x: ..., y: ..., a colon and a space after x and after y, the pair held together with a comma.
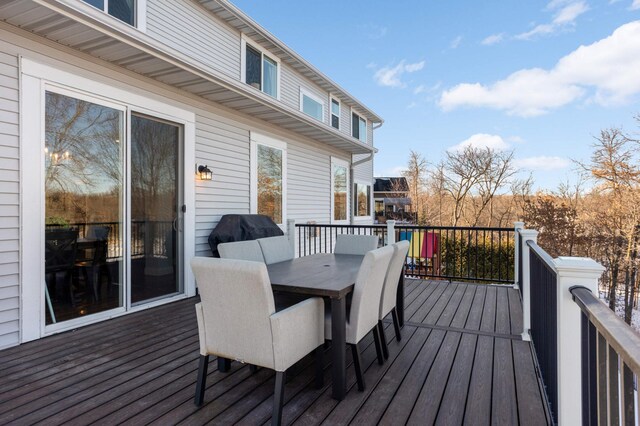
x: 400, y: 299
x: 338, y: 347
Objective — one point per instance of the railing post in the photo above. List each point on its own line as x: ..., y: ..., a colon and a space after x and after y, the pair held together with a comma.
x: 572, y: 271
x: 391, y: 232
x: 525, y: 288
x: 291, y: 234
x: 518, y: 226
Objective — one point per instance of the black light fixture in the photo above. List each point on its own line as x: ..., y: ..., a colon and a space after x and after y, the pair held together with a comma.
x: 205, y: 173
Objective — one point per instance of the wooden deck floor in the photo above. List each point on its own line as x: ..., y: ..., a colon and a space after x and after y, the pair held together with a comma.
x: 460, y: 361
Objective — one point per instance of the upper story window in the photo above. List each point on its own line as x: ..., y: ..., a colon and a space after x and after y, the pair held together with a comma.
x: 311, y: 104
x: 259, y: 69
x: 358, y: 127
x: 335, y: 113
x: 124, y: 10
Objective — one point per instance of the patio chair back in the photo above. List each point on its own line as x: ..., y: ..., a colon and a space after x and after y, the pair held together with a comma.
x: 60, y: 249
x: 236, y: 303
x: 400, y: 250
x: 365, y: 304
x: 355, y: 244
x: 276, y: 249
x: 242, y: 250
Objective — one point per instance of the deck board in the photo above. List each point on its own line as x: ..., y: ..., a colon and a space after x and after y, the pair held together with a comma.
x: 460, y: 360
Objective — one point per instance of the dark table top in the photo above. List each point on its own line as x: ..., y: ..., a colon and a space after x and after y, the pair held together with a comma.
x: 323, y: 274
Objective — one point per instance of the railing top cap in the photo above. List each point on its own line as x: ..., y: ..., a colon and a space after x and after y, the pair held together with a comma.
x: 585, y: 264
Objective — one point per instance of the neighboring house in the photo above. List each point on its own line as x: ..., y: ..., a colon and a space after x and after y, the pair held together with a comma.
x: 391, y: 199
x: 108, y: 109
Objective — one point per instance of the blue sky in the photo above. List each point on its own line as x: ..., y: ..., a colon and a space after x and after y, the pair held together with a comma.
x: 538, y: 77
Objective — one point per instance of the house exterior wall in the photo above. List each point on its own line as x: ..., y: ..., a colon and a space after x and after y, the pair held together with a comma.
x: 222, y: 140
x: 9, y: 200
x: 189, y: 28
x: 212, y: 41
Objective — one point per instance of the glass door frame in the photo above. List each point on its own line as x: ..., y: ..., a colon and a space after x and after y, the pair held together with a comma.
x: 36, y: 78
x: 179, y: 203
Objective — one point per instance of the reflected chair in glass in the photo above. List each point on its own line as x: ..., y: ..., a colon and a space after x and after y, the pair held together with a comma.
x: 93, y: 262
x: 60, y: 250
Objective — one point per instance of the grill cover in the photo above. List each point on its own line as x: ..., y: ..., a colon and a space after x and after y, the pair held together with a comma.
x: 242, y: 227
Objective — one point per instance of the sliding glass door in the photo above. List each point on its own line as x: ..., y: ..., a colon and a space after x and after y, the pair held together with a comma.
x: 83, y: 184
x: 112, y: 194
x: 155, y: 208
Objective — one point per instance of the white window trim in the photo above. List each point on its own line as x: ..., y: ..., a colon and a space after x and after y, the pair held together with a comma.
x: 36, y: 78
x: 261, y: 139
x: 366, y: 125
x: 305, y: 92
x: 371, y: 199
x: 244, y: 40
x: 331, y: 114
x: 139, y: 18
x: 343, y: 163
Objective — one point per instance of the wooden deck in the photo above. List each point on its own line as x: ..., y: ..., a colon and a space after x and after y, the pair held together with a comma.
x: 460, y: 360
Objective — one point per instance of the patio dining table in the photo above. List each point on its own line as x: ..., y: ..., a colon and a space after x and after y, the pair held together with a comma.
x: 325, y: 275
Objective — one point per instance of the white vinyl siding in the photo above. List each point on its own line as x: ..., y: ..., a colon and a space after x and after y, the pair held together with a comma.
x: 224, y: 146
x: 187, y: 27
x: 221, y: 141
x: 9, y: 202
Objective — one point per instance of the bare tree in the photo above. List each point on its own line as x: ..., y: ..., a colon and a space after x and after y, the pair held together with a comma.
x: 416, y: 177
x: 472, y: 177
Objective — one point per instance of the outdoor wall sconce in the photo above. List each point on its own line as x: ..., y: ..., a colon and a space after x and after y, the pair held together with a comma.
x: 205, y: 173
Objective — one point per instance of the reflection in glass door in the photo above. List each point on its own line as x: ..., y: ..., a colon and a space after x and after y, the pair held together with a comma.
x: 83, y: 183
x: 155, y: 207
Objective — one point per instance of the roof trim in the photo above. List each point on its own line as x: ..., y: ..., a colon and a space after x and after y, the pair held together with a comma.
x: 85, y: 14
x: 335, y: 87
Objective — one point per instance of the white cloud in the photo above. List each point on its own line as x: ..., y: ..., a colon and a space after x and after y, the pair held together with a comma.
x: 606, y: 70
x: 635, y: 5
x: 493, y: 39
x: 373, y: 31
x: 455, y: 42
x: 565, y: 14
x: 542, y: 163
x: 420, y: 89
x: 391, y: 76
x: 482, y: 140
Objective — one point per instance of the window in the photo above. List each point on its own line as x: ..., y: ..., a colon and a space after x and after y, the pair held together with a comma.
x: 124, y: 10
x: 339, y: 191
x: 358, y: 127
x: 268, y: 178
x: 335, y: 113
x: 362, y: 199
x: 259, y: 70
x: 311, y: 105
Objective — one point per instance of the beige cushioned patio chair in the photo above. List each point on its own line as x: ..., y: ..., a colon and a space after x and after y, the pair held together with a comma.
x: 355, y: 244
x: 365, y: 306
x: 390, y: 291
x: 242, y: 250
x: 276, y: 249
x: 237, y: 320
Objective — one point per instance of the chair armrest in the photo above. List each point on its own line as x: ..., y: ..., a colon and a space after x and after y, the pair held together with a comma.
x: 297, y: 331
x: 201, y: 331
